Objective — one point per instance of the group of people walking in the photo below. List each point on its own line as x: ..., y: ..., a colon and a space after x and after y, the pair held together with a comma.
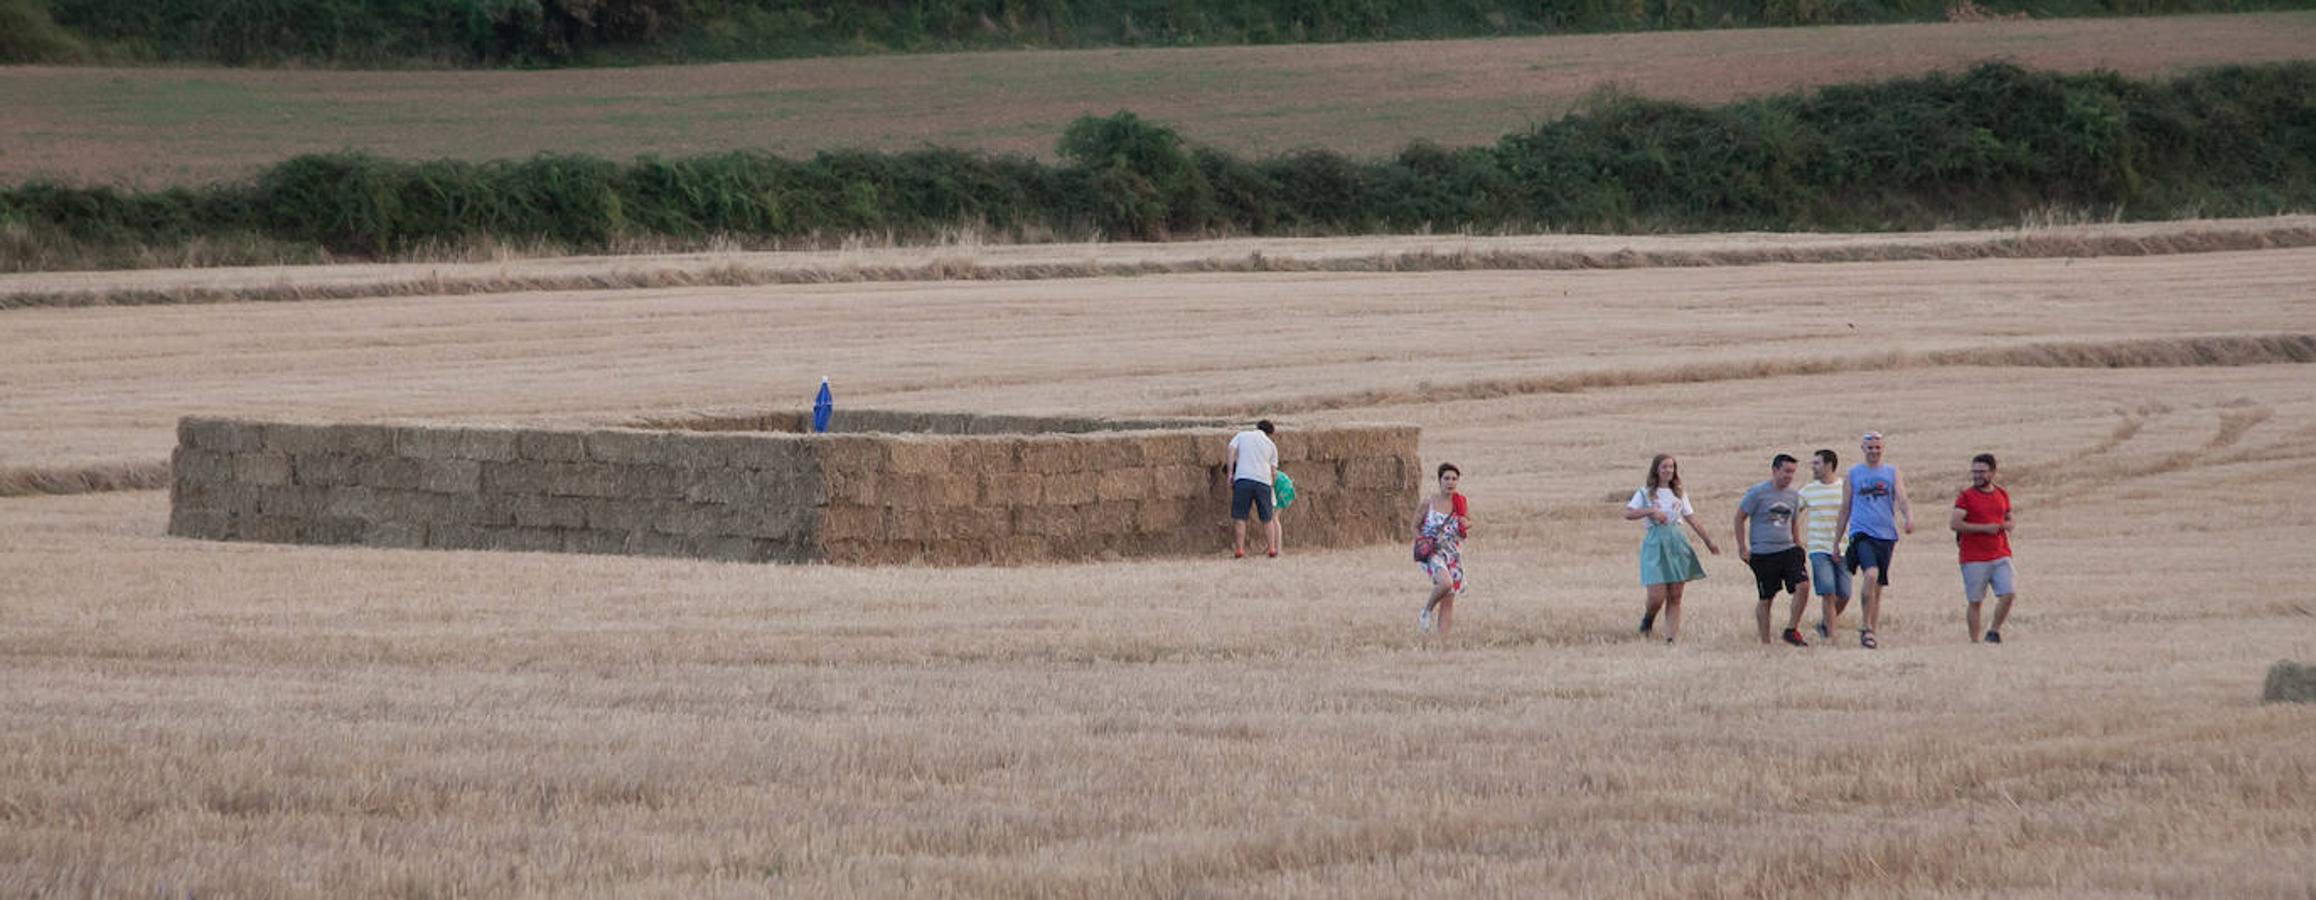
x: 1818, y: 537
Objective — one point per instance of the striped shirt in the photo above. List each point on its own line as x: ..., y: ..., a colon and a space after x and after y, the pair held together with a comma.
x: 1821, y: 508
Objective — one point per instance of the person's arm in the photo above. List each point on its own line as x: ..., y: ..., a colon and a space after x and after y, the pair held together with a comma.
x: 1638, y: 508
x: 1958, y: 521
x: 1463, y: 513
x: 1744, y: 547
x: 1842, y: 522
x: 1699, y: 528
x: 1905, y: 509
x: 1798, y: 517
x: 1231, y: 459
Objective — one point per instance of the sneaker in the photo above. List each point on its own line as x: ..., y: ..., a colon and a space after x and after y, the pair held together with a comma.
x: 1793, y: 636
x: 1423, y: 622
x: 1274, y: 552
x: 1822, y: 633
x: 1648, y: 624
x: 1994, y: 637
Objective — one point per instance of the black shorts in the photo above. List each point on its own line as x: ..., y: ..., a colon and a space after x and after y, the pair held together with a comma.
x: 1246, y: 493
x: 1785, y: 570
x: 1872, y: 553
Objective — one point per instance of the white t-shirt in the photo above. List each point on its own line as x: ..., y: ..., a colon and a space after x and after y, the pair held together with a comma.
x: 1257, y: 456
x: 1674, y: 506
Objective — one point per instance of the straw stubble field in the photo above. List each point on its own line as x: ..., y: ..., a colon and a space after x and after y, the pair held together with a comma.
x: 242, y: 719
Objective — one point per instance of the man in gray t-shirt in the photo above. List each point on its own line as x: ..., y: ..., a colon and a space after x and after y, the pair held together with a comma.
x: 1769, y: 540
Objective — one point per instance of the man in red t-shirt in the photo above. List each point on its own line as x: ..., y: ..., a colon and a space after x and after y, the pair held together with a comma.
x: 1981, y: 522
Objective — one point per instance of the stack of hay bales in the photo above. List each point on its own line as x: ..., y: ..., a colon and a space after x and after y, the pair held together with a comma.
x: 937, y: 490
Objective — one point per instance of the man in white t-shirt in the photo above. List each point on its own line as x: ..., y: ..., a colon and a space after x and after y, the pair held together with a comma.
x: 1253, y: 459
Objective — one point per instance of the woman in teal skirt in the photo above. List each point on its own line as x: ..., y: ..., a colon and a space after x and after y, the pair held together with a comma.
x: 1667, y: 565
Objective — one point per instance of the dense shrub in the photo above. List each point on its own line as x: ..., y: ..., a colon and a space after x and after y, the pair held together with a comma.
x: 1982, y: 147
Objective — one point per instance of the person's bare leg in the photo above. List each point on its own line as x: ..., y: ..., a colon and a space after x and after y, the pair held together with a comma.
x: 1972, y: 619
x: 1800, y: 607
x: 1439, y: 590
x: 1447, y: 611
x: 1238, y: 532
x: 1761, y: 618
x: 1656, y: 603
x: 1673, y: 611
x: 2001, y: 611
x: 1272, y: 532
x: 1869, y: 598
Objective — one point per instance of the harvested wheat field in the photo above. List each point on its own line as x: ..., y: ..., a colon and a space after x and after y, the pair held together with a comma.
x: 192, y: 718
x: 163, y: 126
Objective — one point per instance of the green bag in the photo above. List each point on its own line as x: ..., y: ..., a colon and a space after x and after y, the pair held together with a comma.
x: 1282, y: 490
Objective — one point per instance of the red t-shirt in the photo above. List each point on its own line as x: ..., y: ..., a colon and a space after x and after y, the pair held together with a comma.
x: 1984, y: 508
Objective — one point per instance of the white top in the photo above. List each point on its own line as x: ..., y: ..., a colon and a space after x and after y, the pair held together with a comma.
x: 1674, y: 506
x: 1257, y: 456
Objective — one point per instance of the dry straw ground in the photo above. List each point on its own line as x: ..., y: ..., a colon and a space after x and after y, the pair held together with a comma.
x: 231, y: 719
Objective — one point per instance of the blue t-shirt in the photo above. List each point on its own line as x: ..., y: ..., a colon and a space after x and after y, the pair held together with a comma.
x: 1873, y: 501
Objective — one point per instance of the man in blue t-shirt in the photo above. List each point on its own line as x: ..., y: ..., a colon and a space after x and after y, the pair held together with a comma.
x: 1873, y: 511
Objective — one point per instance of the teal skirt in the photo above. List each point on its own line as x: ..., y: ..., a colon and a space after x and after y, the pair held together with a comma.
x: 1665, y: 557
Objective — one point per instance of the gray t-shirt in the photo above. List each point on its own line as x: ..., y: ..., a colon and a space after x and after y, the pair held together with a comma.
x: 1771, y: 514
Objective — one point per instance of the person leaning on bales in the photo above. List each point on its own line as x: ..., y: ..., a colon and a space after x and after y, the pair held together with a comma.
x: 1254, y: 461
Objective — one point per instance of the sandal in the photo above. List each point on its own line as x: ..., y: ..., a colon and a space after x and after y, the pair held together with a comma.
x: 1866, y: 640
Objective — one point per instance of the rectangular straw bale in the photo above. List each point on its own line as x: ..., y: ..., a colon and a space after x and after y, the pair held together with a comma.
x: 1373, y: 473
x: 971, y: 523
x: 219, y: 435
x: 1161, y: 515
x: 551, y: 446
x: 1011, y: 488
x: 847, y: 521
x: 455, y: 536
x: 1123, y: 484
x: 1112, y: 517
x: 621, y: 514
x: 363, y: 440
x: 588, y: 540
x: 728, y: 486
x: 722, y: 547
x: 290, y: 501
x: 1068, y: 489
x: 916, y: 455
x: 523, y: 539
x: 330, y: 531
x: 1167, y: 449
x: 762, y: 521
x: 908, y: 524
x: 1177, y: 481
x: 1049, y: 455
x: 187, y: 464
x: 1294, y: 445
x: 655, y: 543
x: 1047, y: 521
x: 541, y: 511
x: 764, y: 452
x: 948, y: 423
x: 388, y: 472
x: 367, y: 504
x: 427, y: 442
x: 264, y: 469
x: 983, y: 455
x: 325, y: 469
x: 1112, y: 452
x: 684, y: 450
x: 628, y: 447
x: 270, y: 529
x: 450, y: 476
x: 950, y: 489
x: 398, y: 535
x: 289, y: 438
x: 585, y: 480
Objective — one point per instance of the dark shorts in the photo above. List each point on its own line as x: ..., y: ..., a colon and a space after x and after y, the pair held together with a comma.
x: 1784, y: 570
x: 1246, y: 494
x: 1872, y: 553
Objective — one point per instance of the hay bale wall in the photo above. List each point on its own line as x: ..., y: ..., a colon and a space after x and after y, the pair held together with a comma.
x: 935, y: 489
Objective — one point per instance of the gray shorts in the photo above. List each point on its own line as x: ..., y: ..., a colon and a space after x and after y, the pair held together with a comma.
x: 1829, y: 576
x: 1978, y: 576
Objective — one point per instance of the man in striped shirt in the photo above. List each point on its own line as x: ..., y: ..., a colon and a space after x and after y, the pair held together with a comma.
x: 1821, y: 508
